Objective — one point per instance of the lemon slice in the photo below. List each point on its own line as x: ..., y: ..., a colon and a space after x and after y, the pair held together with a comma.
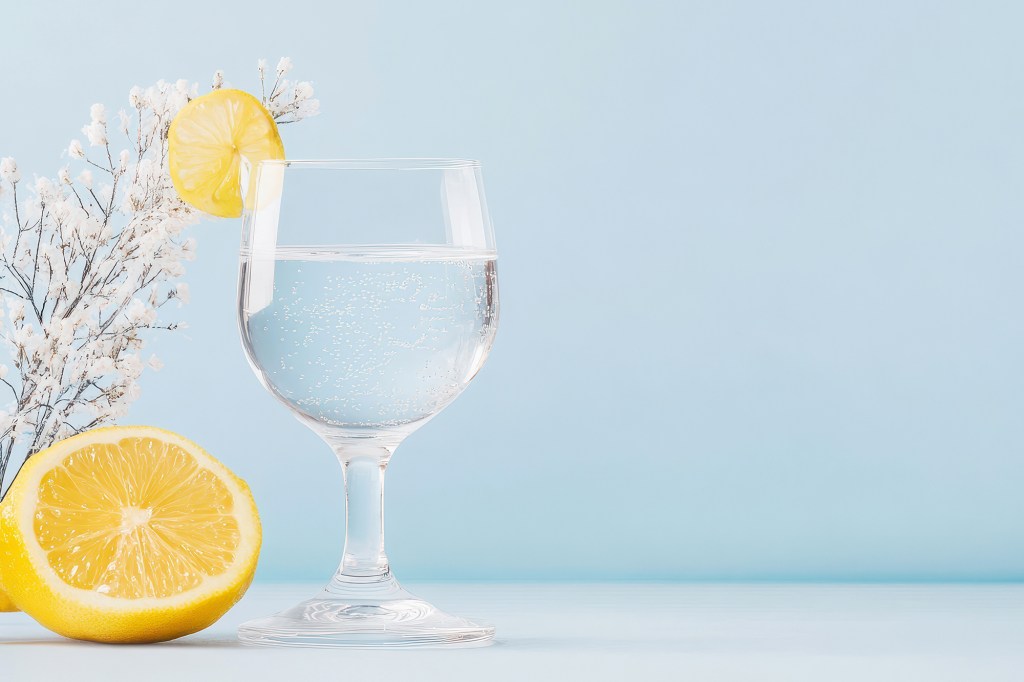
x: 127, y: 534
x: 206, y: 142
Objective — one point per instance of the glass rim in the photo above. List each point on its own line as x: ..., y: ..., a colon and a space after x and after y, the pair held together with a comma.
x: 410, y: 163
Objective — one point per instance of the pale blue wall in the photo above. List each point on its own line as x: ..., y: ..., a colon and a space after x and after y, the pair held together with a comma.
x: 761, y: 269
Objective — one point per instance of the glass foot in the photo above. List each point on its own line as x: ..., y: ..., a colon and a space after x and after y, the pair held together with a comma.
x: 381, y: 616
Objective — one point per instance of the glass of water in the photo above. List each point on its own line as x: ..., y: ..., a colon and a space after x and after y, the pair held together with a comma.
x: 367, y: 301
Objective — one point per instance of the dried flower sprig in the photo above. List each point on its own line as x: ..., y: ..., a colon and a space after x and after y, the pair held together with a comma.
x: 87, y: 262
x: 287, y: 100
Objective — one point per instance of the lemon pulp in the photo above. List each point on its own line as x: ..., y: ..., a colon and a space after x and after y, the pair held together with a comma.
x: 136, y: 518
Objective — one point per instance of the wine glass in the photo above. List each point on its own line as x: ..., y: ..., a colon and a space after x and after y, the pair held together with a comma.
x: 367, y: 301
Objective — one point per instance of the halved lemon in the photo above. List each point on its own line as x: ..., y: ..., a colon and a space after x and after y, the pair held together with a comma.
x: 206, y: 143
x: 127, y: 534
x: 5, y: 602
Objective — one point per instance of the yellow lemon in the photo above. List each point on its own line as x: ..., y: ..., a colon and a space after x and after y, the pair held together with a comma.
x: 6, y: 605
x: 127, y: 534
x: 5, y: 602
x: 206, y: 142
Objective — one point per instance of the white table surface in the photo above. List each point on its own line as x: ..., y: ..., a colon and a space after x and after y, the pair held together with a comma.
x: 600, y: 632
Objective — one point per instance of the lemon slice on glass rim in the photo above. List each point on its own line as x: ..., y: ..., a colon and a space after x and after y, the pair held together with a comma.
x: 207, y: 142
x: 127, y: 534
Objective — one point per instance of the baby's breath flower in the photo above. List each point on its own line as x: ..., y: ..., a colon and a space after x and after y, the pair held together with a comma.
x: 303, y: 90
x: 139, y: 312
x: 136, y: 98
x: 174, y: 269
x: 132, y: 392
x: 307, y: 108
x: 181, y: 292
x: 96, y: 133
x: 87, y: 267
x: 101, y: 366
x: 16, y: 311
x: 218, y: 80
x: 9, y: 170
x: 129, y: 365
x: 98, y: 113
x: 44, y: 188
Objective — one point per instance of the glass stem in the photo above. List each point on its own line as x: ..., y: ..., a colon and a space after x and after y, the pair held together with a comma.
x: 364, y: 560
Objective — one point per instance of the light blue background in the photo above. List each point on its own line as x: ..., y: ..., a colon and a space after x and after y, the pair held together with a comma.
x: 761, y: 270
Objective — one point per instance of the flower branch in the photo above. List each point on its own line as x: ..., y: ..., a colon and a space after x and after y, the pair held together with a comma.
x: 85, y: 267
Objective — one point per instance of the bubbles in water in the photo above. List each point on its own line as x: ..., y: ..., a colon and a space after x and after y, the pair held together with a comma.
x: 391, y: 341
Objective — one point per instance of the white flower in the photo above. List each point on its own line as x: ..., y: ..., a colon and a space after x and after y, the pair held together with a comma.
x: 132, y: 392
x: 136, y: 98
x: 99, y: 262
x: 261, y: 67
x: 148, y: 170
x: 136, y: 311
x: 44, y: 188
x: 129, y: 365
x: 181, y: 292
x: 310, y: 107
x: 101, y: 367
x: 218, y: 79
x: 154, y: 362
x: 62, y: 331
x: 174, y: 269
x: 157, y: 97
x: 71, y: 288
x: 140, y: 313
x: 96, y: 133
x: 9, y: 170
x: 22, y: 337
x: 75, y: 150
x: 98, y: 113
x: 117, y: 410
x: 16, y: 311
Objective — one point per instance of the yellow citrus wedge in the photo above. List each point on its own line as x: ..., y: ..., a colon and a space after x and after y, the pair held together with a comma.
x: 127, y: 534
x: 206, y: 142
